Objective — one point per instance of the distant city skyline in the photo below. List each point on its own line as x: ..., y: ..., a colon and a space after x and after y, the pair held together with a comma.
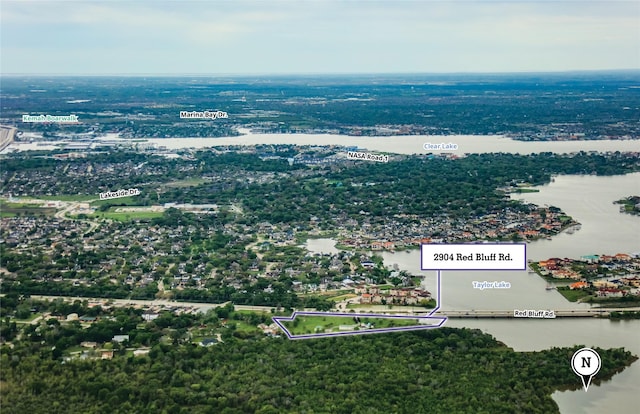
x: 329, y: 37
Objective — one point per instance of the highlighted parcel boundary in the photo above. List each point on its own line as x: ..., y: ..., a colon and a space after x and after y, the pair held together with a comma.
x: 280, y: 320
x: 430, y: 322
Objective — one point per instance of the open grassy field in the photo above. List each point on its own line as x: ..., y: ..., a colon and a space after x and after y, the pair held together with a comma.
x: 343, y: 297
x: 249, y: 312
x: 126, y: 216
x: 29, y: 319
x: 573, y: 295
x: 328, y: 294
x: 242, y: 326
x: 190, y: 182
x: 129, y: 201
x: 312, y: 324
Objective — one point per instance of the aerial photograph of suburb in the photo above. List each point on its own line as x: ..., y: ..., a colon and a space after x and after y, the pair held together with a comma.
x: 320, y: 206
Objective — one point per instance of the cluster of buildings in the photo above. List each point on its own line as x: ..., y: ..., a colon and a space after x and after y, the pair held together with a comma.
x: 402, y: 231
x: 615, y: 275
x: 558, y: 269
x: 33, y: 234
x: 112, y: 255
x: 129, y: 255
x: 90, y: 177
x: 590, y: 266
x: 394, y: 296
x: 614, y: 288
x: 139, y: 255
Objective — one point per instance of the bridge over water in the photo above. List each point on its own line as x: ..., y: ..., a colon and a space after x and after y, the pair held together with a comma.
x: 563, y: 313
x: 461, y: 314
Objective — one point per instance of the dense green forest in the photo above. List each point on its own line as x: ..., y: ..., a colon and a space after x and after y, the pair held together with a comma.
x: 418, y: 185
x: 443, y: 371
x: 414, y: 185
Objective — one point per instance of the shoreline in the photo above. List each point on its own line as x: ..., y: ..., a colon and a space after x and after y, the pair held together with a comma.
x: 394, y: 144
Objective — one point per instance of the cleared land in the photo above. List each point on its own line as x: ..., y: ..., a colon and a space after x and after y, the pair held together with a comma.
x: 127, y: 216
x: 326, y: 324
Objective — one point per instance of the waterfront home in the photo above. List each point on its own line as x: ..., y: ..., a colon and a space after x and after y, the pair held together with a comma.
x: 578, y: 285
x: 610, y: 293
x: 604, y: 284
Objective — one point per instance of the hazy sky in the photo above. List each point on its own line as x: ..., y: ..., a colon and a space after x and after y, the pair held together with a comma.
x: 284, y: 37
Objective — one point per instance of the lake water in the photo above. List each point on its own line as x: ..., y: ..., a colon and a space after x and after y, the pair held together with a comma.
x: 409, y: 144
x: 322, y: 246
x: 402, y: 144
x: 604, y: 230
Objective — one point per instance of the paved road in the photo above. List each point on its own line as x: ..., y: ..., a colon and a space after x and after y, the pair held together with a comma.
x: 156, y: 302
x: 73, y: 205
x: 470, y: 314
x: 130, y: 302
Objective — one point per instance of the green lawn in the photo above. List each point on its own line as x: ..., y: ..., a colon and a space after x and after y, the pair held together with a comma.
x: 343, y: 297
x: 312, y: 324
x: 573, y: 295
x: 189, y: 182
x: 328, y: 294
x: 29, y: 319
x: 129, y: 201
x: 242, y: 326
x: 249, y: 312
x: 126, y: 216
x: 358, y: 305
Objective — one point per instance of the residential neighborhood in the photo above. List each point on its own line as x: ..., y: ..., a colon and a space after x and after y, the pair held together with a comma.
x: 603, y: 276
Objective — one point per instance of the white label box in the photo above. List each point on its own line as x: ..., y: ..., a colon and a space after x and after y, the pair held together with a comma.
x: 486, y: 256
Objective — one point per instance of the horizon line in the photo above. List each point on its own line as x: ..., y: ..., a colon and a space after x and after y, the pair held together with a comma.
x: 321, y: 74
